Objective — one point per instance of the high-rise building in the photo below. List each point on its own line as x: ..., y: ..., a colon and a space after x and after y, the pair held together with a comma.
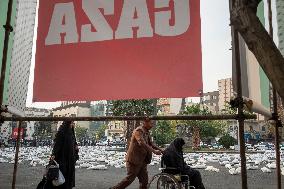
x: 280, y: 27
x: 18, y: 57
x: 21, y: 53
x: 3, y: 18
x: 280, y: 23
x: 225, y: 87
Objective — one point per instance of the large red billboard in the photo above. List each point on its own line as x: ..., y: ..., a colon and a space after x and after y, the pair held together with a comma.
x: 117, y: 49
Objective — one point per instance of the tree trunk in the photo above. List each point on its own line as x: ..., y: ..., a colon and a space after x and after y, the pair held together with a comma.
x: 258, y: 40
x: 128, y: 133
x: 182, y: 107
x: 196, y: 138
x: 131, y: 126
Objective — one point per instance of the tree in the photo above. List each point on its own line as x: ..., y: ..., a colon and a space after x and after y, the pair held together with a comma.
x: 228, y: 109
x: 80, y: 132
x: 133, y: 108
x: 227, y: 141
x: 42, y: 129
x: 101, y: 131
x: 258, y: 40
x: 164, y: 132
x: 205, y: 130
x: 211, y: 129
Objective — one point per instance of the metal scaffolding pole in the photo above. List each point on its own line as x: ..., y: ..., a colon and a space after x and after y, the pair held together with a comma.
x: 105, y: 118
x: 123, y: 118
x: 8, y: 29
x: 275, y: 111
x: 17, y: 154
x: 241, y: 118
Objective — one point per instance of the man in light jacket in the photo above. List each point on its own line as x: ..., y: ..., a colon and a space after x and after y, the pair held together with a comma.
x: 139, y: 154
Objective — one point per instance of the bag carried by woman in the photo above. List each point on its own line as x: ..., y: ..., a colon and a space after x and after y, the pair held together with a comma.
x: 52, y: 177
x: 55, y: 175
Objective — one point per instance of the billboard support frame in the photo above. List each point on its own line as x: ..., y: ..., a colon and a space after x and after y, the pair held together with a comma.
x: 240, y: 116
x: 8, y: 30
x: 275, y: 115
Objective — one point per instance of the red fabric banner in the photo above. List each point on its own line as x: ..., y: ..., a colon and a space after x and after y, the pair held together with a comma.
x: 117, y: 49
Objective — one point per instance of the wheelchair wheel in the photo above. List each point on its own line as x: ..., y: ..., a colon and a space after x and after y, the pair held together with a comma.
x: 164, y: 181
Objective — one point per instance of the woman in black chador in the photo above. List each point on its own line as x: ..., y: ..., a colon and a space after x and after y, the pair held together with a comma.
x: 65, y: 153
x: 173, y: 157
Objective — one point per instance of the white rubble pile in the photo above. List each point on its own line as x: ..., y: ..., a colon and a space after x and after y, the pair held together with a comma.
x: 100, y: 158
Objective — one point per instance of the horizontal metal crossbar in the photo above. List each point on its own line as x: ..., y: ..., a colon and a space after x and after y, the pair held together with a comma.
x: 121, y: 118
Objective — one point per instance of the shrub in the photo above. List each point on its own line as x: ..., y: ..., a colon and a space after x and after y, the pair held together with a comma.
x: 227, y: 141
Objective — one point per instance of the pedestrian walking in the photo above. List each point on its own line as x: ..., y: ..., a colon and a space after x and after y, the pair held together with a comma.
x: 139, y: 154
x: 65, y: 153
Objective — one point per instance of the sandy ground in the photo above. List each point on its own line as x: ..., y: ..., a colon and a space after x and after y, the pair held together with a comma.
x: 28, y: 178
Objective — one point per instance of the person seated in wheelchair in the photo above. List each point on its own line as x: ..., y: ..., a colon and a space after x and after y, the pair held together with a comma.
x: 173, y: 161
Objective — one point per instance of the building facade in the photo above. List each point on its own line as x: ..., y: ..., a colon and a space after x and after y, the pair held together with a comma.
x: 225, y: 88
x: 3, y: 18
x: 280, y: 24
x: 74, y: 110
x: 31, y: 125
x: 280, y: 30
x: 66, y: 103
x: 254, y: 130
x: 21, y: 53
x: 169, y: 106
x: 211, y: 101
x: 115, y: 130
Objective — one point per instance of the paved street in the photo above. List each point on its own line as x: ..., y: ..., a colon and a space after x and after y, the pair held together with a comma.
x: 28, y: 177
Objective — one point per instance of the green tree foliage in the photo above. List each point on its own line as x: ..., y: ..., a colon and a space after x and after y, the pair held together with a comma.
x: 42, y: 129
x: 228, y: 109
x: 164, y: 132
x: 227, y: 141
x: 143, y: 107
x: 211, y: 129
x: 101, y: 132
x: 208, y: 128
x: 133, y: 107
x: 80, y: 132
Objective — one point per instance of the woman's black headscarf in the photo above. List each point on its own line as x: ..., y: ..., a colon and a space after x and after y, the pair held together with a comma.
x: 173, y: 155
x: 176, y: 146
x: 65, y: 126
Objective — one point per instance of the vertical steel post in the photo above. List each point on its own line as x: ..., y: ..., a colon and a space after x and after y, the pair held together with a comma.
x: 17, y: 155
x: 277, y: 148
x: 275, y: 111
x: 8, y: 29
x: 235, y: 38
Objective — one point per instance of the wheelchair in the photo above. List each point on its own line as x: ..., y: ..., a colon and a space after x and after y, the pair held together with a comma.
x: 169, y: 178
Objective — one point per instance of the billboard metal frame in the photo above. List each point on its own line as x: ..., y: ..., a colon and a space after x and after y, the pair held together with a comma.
x: 240, y: 116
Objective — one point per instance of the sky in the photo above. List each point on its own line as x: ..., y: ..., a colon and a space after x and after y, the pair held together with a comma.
x: 216, y: 53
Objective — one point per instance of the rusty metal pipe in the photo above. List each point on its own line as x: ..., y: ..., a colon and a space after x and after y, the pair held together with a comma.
x: 236, y: 55
x: 8, y: 29
x: 17, y: 155
x: 275, y: 108
x: 121, y: 118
